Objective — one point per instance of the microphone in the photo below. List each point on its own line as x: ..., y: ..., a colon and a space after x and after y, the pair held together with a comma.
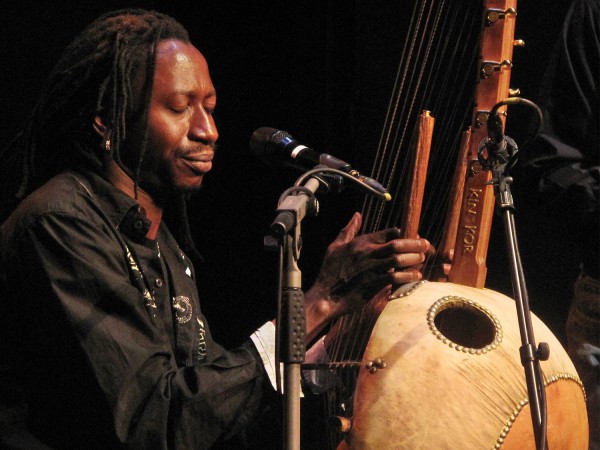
x: 496, y: 141
x: 279, y: 147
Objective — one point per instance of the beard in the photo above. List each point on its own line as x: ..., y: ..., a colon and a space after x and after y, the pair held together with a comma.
x: 165, y: 177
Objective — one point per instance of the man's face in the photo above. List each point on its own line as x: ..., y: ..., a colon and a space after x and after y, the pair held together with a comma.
x: 181, y: 129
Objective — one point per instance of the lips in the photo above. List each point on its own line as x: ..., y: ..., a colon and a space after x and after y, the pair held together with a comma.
x: 199, y: 162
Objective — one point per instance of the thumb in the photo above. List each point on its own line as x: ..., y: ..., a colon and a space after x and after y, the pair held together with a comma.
x: 350, y: 230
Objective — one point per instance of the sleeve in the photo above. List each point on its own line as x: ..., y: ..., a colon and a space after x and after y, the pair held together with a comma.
x: 264, y: 340
x: 105, y: 373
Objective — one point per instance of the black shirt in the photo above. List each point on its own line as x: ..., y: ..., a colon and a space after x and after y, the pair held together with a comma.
x: 103, y: 341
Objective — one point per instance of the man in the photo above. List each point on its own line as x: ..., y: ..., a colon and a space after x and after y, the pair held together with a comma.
x: 103, y: 341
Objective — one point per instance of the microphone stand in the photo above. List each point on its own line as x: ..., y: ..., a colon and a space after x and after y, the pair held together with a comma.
x: 291, y: 320
x: 501, y: 155
x: 296, y: 203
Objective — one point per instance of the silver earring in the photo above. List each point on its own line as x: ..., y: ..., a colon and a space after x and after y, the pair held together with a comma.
x: 107, y: 143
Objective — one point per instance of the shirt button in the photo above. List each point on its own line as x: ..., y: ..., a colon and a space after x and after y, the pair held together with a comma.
x: 158, y: 283
x: 138, y: 224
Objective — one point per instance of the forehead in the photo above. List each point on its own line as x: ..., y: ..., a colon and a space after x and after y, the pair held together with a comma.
x: 181, y: 67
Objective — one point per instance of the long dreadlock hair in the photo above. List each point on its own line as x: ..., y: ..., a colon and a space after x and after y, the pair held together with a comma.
x: 95, y: 76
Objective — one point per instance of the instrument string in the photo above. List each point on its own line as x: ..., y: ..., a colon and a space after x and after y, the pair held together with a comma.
x: 409, y: 76
x: 427, y: 39
x: 432, y: 75
x: 451, y: 106
x: 372, y: 211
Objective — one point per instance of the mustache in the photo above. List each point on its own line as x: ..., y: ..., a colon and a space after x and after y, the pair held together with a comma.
x: 201, y: 148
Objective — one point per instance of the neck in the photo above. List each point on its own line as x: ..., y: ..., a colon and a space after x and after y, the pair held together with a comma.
x: 118, y: 177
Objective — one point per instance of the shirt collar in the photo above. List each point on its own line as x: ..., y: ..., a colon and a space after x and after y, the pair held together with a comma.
x: 125, y: 212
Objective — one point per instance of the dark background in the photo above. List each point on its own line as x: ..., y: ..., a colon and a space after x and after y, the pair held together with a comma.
x: 321, y: 70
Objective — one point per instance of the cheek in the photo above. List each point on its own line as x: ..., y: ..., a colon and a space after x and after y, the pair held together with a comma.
x: 164, y: 138
x: 166, y: 133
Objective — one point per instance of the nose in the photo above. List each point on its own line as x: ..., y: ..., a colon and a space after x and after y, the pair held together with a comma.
x: 203, y: 127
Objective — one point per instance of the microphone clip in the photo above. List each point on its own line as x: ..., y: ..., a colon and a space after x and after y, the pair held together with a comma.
x: 492, y: 155
x: 328, y: 181
x: 295, y: 203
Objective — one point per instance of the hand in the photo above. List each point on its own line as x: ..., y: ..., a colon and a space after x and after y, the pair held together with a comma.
x: 355, y: 268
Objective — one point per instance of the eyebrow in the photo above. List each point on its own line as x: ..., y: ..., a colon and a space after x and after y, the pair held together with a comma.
x: 212, y: 93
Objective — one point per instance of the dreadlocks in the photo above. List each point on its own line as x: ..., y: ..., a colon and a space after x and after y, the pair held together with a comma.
x: 94, y: 77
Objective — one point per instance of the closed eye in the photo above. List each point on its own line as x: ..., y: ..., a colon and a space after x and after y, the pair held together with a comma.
x: 178, y: 110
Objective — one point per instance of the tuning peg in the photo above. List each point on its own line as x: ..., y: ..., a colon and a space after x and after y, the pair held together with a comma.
x: 489, y: 67
x: 514, y: 92
x: 340, y: 423
x: 492, y: 15
x: 519, y: 43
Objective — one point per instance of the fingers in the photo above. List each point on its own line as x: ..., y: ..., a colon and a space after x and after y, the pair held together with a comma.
x: 349, y: 231
x: 397, y: 262
x: 374, y: 282
x: 395, y: 255
x: 401, y: 246
x: 352, y: 260
x: 446, y: 268
x: 406, y: 260
x: 407, y: 246
x: 405, y: 276
x: 383, y: 236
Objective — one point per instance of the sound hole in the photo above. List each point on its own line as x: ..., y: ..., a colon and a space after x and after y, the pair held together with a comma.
x: 465, y: 325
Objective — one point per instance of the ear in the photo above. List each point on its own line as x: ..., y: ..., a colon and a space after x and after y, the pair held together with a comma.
x: 99, y: 127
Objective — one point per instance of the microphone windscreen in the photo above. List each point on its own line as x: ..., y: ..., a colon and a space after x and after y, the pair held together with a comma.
x: 260, y: 139
x: 272, y: 145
